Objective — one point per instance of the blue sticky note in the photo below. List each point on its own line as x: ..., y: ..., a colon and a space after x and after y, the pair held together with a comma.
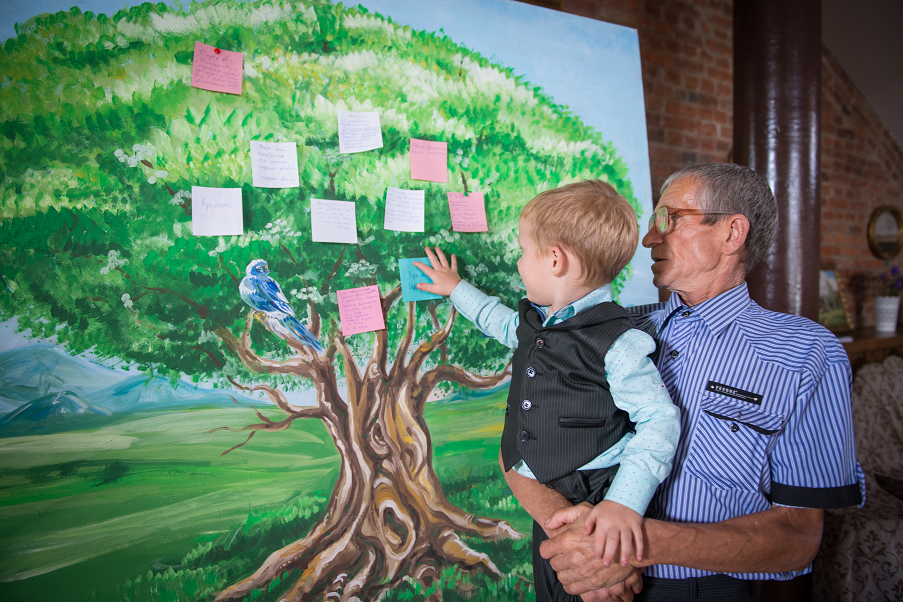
x: 410, y: 277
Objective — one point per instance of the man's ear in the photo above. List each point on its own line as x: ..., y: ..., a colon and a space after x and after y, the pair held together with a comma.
x: 738, y: 230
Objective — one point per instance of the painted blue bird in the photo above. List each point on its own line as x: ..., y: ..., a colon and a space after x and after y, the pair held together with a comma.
x: 264, y: 295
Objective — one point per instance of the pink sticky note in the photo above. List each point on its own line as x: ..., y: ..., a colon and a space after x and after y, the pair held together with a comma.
x: 468, y: 212
x: 360, y: 310
x: 216, y: 69
x: 429, y: 160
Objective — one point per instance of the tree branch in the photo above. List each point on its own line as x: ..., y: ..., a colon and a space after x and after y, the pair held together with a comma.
x: 314, y: 325
x: 436, y: 339
x: 464, y: 181
x: 459, y: 375
x: 277, y: 396
x: 228, y: 271
x: 242, y: 349
x: 335, y: 268
x: 212, y: 357
x: 434, y: 318
x: 352, y: 372
x: 381, y: 352
x: 269, y: 425
x: 405, y: 344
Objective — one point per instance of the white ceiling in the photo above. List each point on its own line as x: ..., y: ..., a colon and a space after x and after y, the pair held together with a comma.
x: 866, y: 36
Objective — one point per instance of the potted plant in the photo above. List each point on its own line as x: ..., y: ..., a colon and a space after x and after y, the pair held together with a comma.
x: 885, y: 290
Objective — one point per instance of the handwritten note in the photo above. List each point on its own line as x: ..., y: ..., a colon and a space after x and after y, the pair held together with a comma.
x: 274, y: 164
x: 216, y: 69
x: 359, y: 132
x: 360, y: 310
x: 333, y: 221
x: 429, y: 160
x: 410, y: 277
x: 468, y: 212
x: 216, y: 211
x: 404, y: 210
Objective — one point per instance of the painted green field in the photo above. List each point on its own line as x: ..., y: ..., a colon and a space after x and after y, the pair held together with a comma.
x: 62, y: 496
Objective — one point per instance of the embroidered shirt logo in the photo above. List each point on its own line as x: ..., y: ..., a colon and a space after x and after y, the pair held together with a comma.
x: 734, y: 392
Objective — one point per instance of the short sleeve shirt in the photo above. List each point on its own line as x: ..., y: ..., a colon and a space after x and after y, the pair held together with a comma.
x: 765, y: 414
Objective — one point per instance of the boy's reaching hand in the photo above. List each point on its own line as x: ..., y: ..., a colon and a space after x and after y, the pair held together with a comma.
x: 444, y: 275
x: 615, y: 524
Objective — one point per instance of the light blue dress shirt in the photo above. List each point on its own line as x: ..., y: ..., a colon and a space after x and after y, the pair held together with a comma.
x: 634, y: 383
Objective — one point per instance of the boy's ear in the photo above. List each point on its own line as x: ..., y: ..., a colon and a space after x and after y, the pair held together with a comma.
x: 560, y: 261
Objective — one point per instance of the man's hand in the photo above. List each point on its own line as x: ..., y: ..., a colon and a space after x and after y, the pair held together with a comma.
x: 622, y: 592
x: 572, y: 554
x: 443, y: 274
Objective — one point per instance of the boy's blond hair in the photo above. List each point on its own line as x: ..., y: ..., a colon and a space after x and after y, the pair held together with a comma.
x: 589, y: 219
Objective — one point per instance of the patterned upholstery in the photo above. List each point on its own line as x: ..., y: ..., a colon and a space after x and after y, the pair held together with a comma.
x: 861, y: 555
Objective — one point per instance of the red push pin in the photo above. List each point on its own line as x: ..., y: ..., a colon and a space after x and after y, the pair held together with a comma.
x: 216, y: 50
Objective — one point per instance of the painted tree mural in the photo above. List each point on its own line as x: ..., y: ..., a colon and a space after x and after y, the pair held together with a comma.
x: 102, y: 138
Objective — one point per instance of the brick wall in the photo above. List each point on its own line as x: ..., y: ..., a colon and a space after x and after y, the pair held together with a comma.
x: 862, y: 169
x: 686, y: 49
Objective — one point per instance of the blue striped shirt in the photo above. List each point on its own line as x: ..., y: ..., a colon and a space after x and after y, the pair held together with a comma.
x: 765, y: 414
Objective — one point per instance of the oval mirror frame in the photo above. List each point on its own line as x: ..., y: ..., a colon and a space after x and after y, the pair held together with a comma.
x: 885, y: 245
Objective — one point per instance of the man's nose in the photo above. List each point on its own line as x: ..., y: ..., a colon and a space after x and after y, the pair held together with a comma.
x: 652, y: 237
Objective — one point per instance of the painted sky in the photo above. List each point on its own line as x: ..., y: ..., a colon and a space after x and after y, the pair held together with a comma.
x: 587, y: 65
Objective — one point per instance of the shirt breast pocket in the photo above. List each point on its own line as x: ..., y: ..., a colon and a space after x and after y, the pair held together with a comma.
x: 729, y: 442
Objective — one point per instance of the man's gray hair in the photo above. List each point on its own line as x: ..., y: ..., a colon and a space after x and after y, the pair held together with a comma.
x: 736, y: 189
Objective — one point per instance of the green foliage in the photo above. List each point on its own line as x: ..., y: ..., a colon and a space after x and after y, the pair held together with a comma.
x: 213, y: 565
x: 102, y: 137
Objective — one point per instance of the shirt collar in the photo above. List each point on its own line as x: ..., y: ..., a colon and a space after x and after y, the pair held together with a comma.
x: 600, y: 295
x: 717, y: 312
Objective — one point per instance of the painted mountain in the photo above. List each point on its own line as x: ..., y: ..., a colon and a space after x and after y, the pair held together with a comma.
x: 44, y: 389
x: 142, y: 393
x: 52, y: 409
x: 29, y: 373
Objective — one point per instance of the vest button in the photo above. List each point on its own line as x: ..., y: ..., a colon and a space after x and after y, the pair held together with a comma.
x: 734, y: 428
x: 531, y: 372
x: 540, y: 343
x: 526, y: 404
x: 524, y: 436
x: 674, y: 353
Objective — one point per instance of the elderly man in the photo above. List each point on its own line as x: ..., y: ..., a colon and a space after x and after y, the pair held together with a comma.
x: 766, y: 429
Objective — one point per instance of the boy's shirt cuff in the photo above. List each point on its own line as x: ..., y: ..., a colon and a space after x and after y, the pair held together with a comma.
x: 467, y: 297
x: 632, y: 487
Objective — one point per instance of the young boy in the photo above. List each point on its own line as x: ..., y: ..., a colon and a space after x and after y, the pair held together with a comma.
x: 587, y: 414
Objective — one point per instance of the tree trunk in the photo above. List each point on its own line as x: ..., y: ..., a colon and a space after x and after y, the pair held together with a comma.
x: 388, y: 519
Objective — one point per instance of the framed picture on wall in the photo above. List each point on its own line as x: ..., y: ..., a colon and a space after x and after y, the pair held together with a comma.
x: 833, y: 311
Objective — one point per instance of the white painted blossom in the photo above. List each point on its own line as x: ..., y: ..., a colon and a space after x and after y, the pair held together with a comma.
x: 113, y: 262
x: 182, y: 194
x: 161, y: 173
x: 152, y: 180
x: 207, y: 337
x: 309, y: 293
x: 473, y: 271
x: 361, y: 269
x: 127, y: 301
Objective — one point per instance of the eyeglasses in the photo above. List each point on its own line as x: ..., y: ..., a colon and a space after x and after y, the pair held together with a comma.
x: 663, y: 215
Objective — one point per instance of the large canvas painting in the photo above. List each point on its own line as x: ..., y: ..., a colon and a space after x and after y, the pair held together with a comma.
x: 193, y: 417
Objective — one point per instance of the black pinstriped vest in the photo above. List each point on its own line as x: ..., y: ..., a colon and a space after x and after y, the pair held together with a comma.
x: 560, y: 413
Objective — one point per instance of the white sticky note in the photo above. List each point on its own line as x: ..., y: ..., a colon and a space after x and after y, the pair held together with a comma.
x: 359, y: 132
x: 274, y: 164
x: 404, y: 210
x: 333, y: 221
x: 216, y: 211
